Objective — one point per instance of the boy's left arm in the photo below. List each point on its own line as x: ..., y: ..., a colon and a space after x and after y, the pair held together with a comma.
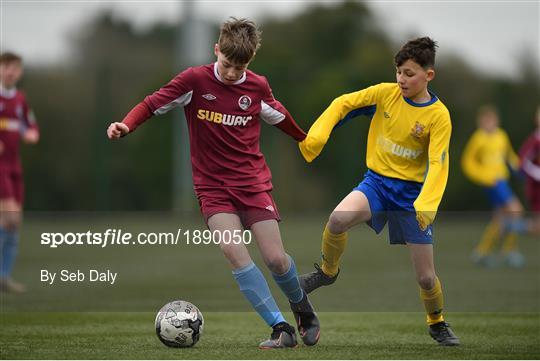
x: 512, y: 157
x: 31, y: 130
x: 274, y: 113
x: 526, y: 155
x: 428, y: 200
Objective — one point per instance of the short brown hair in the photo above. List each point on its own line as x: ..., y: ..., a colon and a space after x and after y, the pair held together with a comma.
x: 420, y: 50
x: 9, y: 57
x: 239, y: 40
x: 487, y: 109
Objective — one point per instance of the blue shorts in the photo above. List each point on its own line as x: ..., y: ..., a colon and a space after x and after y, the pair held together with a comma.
x: 500, y: 194
x: 391, y: 200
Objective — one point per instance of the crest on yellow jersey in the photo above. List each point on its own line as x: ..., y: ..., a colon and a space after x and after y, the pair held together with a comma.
x: 418, y: 130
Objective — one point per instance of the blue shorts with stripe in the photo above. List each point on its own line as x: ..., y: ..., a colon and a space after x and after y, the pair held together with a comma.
x: 500, y: 194
x: 391, y: 201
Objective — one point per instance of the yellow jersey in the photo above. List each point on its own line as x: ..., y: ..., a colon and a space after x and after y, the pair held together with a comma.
x: 487, y: 156
x: 406, y: 140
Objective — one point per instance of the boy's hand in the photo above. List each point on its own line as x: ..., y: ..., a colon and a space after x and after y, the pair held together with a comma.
x: 30, y: 136
x: 308, y: 156
x: 117, y: 130
x: 424, y: 219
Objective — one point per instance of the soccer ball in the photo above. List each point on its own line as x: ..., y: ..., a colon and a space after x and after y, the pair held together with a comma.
x: 179, y: 324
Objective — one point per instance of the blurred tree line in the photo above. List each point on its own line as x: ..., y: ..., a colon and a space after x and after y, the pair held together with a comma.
x: 309, y: 60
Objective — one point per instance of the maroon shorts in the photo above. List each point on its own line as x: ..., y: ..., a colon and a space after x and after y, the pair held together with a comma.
x: 533, y: 195
x: 11, y: 185
x: 251, y: 207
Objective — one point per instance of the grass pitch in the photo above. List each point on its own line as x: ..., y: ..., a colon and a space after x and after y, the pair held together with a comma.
x: 236, y: 335
x: 372, y: 312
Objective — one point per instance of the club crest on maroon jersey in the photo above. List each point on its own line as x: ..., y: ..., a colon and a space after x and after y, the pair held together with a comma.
x: 244, y: 102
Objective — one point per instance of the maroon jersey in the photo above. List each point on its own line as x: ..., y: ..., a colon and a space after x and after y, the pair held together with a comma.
x: 530, y: 157
x: 15, y: 118
x: 224, y: 123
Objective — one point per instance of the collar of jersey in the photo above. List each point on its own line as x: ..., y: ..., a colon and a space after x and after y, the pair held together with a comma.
x: 218, y: 77
x: 429, y: 102
x: 7, y: 93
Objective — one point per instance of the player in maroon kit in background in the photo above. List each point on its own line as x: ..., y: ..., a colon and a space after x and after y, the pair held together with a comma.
x: 224, y: 105
x: 530, y: 164
x: 16, y: 122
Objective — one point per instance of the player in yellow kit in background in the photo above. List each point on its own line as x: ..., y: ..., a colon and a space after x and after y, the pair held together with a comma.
x: 486, y: 161
x: 407, y: 160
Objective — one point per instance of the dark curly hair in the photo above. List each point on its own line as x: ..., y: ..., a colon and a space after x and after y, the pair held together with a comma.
x: 420, y: 50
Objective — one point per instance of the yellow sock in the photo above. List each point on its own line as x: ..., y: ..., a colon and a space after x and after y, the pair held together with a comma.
x: 333, y: 246
x: 433, y: 303
x: 510, y: 243
x: 490, y: 236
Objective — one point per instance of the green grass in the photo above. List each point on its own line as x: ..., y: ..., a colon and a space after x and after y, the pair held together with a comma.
x: 372, y: 312
x: 236, y: 335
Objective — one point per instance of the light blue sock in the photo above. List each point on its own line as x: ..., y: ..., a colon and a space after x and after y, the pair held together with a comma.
x: 518, y: 225
x: 8, y: 251
x: 255, y: 289
x: 288, y: 282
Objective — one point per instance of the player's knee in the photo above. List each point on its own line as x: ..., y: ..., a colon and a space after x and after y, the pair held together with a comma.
x: 535, y: 226
x: 237, y: 255
x: 338, y: 222
x: 427, y: 281
x: 278, y: 263
x: 230, y: 252
x: 515, y: 208
x: 11, y: 221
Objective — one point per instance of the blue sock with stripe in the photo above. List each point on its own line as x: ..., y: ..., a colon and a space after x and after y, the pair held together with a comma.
x: 8, y: 251
x: 288, y: 282
x: 255, y: 288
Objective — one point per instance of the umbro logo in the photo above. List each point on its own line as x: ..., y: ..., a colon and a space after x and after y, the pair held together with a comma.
x: 209, y: 96
x: 386, y: 115
x: 270, y: 208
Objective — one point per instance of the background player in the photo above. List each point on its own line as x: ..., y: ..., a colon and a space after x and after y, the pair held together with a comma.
x: 530, y: 164
x: 16, y: 122
x: 410, y: 127
x: 224, y: 105
x: 485, y: 161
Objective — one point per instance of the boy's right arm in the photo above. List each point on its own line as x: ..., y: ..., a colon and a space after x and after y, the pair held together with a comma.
x: 468, y: 157
x: 174, y: 94
x: 470, y: 166
x: 131, y: 121
x: 340, y: 109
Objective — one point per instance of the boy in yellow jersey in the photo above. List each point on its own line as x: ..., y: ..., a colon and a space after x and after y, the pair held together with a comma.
x: 485, y: 161
x: 407, y: 160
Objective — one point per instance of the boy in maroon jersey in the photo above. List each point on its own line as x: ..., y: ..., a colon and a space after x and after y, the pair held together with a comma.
x: 16, y: 122
x: 224, y: 104
x: 530, y: 164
